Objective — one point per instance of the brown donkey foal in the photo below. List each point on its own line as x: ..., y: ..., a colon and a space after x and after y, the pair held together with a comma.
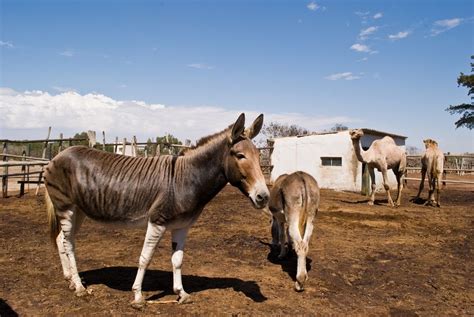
x: 165, y: 193
x: 294, y: 202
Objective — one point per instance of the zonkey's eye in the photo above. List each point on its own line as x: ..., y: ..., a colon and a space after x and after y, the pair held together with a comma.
x: 240, y: 156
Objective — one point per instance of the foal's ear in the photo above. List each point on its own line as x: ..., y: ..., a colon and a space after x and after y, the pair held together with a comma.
x: 255, y: 128
x: 238, y: 128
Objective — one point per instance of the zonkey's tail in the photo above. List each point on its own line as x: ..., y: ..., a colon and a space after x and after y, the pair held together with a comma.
x: 54, y: 227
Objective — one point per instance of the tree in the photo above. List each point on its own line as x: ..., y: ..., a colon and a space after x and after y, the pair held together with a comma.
x: 81, y: 135
x: 166, y: 142
x: 277, y: 130
x: 466, y: 110
x: 339, y: 127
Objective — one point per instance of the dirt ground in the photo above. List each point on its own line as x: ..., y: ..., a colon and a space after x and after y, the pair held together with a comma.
x: 372, y: 260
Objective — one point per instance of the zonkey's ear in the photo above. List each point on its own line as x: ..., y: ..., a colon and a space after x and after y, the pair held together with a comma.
x: 255, y: 128
x: 238, y: 128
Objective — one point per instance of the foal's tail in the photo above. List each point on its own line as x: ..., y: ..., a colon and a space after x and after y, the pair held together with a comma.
x: 54, y: 226
x: 306, y: 201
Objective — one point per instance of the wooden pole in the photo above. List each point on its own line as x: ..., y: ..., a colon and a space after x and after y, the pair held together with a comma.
x: 23, y: 169
x: 60, y: 142
x: 103, y: 140
x: 124, y: 144
x: 5, y: 172
x: 28, y: 153
x: 116, y: 144
x: 40, y: 175
x: 134, y: 147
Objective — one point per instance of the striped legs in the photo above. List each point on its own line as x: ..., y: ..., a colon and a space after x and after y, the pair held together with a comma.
x: 154, y: 233
x: 178, y: 238
x: 70, y: 223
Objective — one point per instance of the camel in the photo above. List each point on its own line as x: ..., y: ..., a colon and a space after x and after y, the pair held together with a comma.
x: 432, y: 162
x: 383, y: 155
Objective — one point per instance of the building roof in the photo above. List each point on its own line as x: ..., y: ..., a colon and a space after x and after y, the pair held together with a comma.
x: 366, y: 131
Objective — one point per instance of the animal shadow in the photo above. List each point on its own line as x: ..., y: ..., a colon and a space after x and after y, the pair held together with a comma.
x: 6, y: 310
x: 289, y: 263
x: 418, y: 200
x: 122, y: 278
x: 365, y: 202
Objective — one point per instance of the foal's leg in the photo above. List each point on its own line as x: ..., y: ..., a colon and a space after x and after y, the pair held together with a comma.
x: 275, y: 233
x: 301, y: 249
x: 178, y: 237
x: 69, y: 220
x: 154, y: 233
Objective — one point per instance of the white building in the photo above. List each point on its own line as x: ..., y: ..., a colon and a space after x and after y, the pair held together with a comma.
x: 330, y: 158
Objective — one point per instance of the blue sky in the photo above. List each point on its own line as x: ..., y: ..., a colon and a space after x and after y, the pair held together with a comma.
x: 387, y: 65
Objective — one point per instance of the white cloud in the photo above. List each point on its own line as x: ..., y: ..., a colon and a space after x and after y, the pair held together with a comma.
x: 362, y: 13
x: 399, y: 35
x: 313, y: 6
x: 70, y: 112
x: 6, y: 44
x: 365, y: 33
x: 378, y: 15
x: 200, y: 66
x: 361, y: 48
x: 343, y: 76
x: 63, y: 89
x: 441, y: 26
x: 67, y: 53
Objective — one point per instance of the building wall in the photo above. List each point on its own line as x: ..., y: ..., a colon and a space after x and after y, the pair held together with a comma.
x: 304, y: 154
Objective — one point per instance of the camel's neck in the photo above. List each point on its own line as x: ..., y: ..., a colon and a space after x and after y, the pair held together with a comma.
x: 362, y: 155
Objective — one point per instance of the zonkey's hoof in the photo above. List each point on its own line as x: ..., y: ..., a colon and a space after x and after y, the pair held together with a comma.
x: 139, y: 304
x: 184, y: 299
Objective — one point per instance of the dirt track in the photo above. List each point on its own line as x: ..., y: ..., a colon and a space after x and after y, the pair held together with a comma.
x: 407, y: 261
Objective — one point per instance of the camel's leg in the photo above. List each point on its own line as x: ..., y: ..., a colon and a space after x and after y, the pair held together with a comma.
x: 372, y: 180
x: 400, y: 176
x: 154, y: 233
x: 422, y: 183
x: 438, y: 203
x: 387, y: 187
x: 69, y: 220
x: 432, y: 184
x: 178, y: 238
x: 301, y: 249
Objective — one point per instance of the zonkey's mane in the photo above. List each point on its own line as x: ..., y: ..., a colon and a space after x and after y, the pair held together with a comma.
x: 206, y: 141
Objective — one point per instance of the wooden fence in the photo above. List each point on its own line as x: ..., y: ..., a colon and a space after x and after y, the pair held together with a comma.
x: 453, y: 164
x: 19, y: 153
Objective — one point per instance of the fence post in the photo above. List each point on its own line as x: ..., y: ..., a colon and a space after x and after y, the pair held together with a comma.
x: 116, y: 145
x: 5, y: 172
x: 60, y: 142
x: 92, y: 138
x: 28, y: 153
x: 157, y: 148
x: 40, y: 175
x: 23, y: 169
x: 103, y: 141
x: 134, y: 147
x: 124, y: 144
